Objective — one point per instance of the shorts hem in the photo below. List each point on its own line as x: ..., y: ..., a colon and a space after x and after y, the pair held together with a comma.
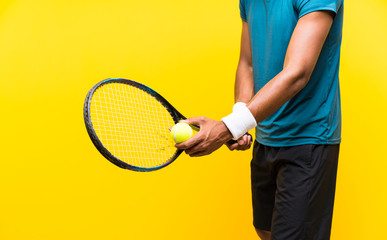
x: 292, y: 143
x: 264, y: 228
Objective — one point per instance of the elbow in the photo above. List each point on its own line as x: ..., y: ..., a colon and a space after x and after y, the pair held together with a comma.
x: 245, y: 66
x: 298, y: 77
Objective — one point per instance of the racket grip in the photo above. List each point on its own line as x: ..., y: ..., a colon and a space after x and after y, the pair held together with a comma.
x: 195, y: 127
x: 234, y: 141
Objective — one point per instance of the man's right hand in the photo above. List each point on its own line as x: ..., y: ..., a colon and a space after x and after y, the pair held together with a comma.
x: 243, y: 143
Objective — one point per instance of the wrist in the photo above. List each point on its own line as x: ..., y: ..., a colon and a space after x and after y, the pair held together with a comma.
x: 238, y: 105
x: 224, y: 133
x: 240, y: 121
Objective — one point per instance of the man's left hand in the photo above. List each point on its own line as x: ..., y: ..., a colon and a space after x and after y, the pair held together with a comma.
x: 212, y: 135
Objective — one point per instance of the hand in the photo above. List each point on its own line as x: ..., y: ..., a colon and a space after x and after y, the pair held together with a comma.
x: 212, y: 135
x: 243, y: 143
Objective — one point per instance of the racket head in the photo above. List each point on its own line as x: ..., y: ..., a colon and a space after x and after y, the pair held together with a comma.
x: 129, y: 122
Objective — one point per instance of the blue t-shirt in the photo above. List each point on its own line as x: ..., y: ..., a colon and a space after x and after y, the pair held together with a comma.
x: 313, y: 116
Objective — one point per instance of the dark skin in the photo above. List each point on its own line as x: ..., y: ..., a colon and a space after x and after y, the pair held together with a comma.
x: 303, y: 51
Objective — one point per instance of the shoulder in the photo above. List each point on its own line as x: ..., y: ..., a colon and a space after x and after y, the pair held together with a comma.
x: 304, y: 7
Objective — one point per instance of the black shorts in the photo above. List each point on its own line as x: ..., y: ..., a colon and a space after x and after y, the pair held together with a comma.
x: 293, y: 190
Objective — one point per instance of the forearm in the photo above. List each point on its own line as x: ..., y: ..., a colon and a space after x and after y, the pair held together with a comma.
x: 244, y: 83
x: 275, y: 93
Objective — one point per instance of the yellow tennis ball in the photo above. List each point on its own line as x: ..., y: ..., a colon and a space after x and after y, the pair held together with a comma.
x: 181, y: 132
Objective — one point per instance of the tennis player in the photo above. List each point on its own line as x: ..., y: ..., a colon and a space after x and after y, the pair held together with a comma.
x: 287, y: 86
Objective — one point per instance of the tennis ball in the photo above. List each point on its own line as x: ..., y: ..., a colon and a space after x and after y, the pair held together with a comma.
x: 181, y: 132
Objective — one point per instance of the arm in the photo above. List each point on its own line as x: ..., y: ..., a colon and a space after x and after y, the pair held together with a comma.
x: 302, y: 54
x: 301, y: 57
x: 244, y: 83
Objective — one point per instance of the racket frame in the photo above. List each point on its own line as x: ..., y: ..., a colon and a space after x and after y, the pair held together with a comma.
x: 176, y: 116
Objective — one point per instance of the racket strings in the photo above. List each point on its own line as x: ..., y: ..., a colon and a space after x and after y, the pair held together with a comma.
x: 132, y: 125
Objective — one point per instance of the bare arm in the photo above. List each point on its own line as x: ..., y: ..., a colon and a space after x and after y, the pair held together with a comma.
x: 301, y: 57
x: 244, y: 81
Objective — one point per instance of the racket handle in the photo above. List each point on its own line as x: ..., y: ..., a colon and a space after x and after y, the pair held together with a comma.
x: 234, y: 141
x: 195, y: 127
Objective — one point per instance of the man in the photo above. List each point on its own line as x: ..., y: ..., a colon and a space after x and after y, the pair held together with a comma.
x: 287, y: 87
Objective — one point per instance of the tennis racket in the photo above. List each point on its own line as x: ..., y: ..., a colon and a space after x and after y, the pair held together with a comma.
x: 129, y: 122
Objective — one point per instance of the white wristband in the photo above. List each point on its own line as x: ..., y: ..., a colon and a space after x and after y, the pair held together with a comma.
x: 240, y: 121
x: 238, y: 105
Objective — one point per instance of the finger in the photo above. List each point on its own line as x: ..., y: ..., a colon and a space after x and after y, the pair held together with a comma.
x: 251, y: 138
x: 233, y: 146
x: 247, y: 139
x: 241, y: 141
x: 199, y: 154
x: 190, y: 142
x: 194, y: 120
x: 243, y: 147
x: 197, y: 148
x: 244, y: 140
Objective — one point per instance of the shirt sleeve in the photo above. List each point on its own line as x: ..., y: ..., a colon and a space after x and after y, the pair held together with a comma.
x: 242, y: 8
x: 307, y: 6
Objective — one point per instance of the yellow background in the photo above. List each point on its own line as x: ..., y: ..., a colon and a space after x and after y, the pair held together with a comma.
x: 55, y: 185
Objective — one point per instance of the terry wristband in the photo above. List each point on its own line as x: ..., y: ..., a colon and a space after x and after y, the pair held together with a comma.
x: 238, y: 105
x: 240, y: 121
